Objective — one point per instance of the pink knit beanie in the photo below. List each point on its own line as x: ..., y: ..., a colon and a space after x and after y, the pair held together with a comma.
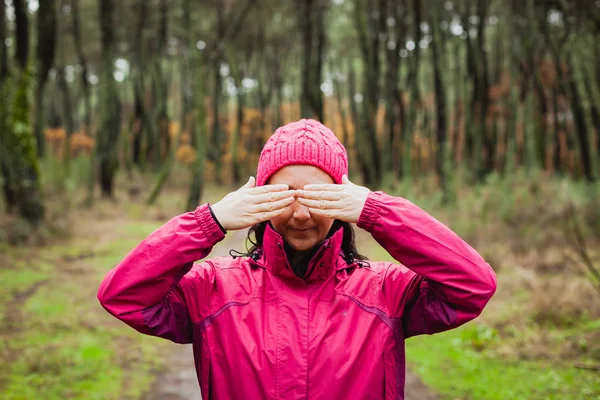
x: 306, y: 142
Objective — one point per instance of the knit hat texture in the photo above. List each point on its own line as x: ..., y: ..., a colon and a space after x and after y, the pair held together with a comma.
x: 304, y: 142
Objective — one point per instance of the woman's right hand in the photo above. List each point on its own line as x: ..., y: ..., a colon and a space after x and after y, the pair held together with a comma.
x: 251, y: 205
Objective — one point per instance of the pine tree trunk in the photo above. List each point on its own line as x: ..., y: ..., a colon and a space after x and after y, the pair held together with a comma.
x: 312, y: 26
x: 87, y: 97
x: 370, y: 26
x: 17, y: 145
x: 139, y: 130
x: 162, y: 82
x: 594, y: 101
x: 85, y: 84
x: 393, y: 99
x: 486, y: 138
x: 110, y: 108
x: 45, y: 50
x: 236, y: 74
x: 3, y: 47
x: 440, y: 101
x: 580, y: 123
x: 197, y: 120
x: 415, y: 97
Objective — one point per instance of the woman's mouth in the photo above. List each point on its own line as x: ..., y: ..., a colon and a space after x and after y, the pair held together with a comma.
x: 302, y: 230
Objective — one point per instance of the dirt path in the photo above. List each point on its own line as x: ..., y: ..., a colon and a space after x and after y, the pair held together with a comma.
x: 179, y: 382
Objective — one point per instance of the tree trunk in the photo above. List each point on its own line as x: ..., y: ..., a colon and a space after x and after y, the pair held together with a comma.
x: 45, y: 50
x: 197, y: 118
x: 593, y: 97
x: 415, y: 97
x: 109, y: 102
x: 277, y: 78
x: 440, y: 100
x: 488, y: 140
x: 311, y: 20
x: 580, y: 123
x: 217, y: 136
x: 67, y: 114
x: 217, y: 132
x: 237, y: 76
x: 85, y: 83
x: 371, y: 30
x: 161, y: 80
x: 542, y: 131
x: 17, y: 145
x: 363, y: 166
x: 87, y: 97
x: 3, y: 47
x: 9, y: 194
x: 393, y: 101
x: 339, y: 98
x: 22, y: 34
x: 138, y: 129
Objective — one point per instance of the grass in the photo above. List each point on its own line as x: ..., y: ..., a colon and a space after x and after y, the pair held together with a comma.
x: 58, y: 341
x: 448, y: 363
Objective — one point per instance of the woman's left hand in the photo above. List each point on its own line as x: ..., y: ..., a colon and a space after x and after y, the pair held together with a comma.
x: 344, y: 202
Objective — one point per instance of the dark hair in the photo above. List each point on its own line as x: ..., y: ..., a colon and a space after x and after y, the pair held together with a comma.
x: 257, y: 232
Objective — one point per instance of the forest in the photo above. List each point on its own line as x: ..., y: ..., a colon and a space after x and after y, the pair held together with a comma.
x: 117, y: 115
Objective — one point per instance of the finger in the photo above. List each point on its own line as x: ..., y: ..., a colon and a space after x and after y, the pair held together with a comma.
x: 267, y: 215
x: 275, y: 205
x: 250, y: 184
x: 345, y: 180
x: 320, y: 204
x: 269, y: 188
x: 324, y: 186
x: 319, y: 195
x: 328, y: 213
x: 273, y: 196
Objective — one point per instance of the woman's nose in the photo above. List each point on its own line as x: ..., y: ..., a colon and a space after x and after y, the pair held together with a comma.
x: 301, y: 212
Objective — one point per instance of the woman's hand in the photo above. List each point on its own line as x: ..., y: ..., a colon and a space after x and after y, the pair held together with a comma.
x: 344, y: 202
x: 251, y: 205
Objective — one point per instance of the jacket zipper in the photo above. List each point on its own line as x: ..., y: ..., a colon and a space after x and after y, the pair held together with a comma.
x: 316, y: 258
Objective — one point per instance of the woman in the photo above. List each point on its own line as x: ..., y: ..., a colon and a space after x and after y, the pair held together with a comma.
x: 301, y: 316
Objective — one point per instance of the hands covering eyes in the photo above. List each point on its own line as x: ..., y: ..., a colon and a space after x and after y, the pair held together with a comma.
x: 250, y: 205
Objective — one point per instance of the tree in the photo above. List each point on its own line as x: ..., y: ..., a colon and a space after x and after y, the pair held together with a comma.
x: 311, y: 19
x: 394, y: 106
x: 370, y: 20
x: 437, y: 44
x: 18, y: 154
x: 45, y: 50
x: 110, y: 104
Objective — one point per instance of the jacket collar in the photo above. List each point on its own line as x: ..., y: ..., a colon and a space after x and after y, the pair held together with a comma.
x: 322, y: 265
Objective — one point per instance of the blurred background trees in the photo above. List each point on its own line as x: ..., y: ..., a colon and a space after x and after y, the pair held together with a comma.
x: 413, y: 88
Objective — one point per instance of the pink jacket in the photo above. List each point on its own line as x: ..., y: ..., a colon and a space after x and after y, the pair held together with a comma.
x: 260, y: 332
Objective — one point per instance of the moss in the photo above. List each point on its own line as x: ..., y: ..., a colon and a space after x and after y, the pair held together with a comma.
x: 20, y: 155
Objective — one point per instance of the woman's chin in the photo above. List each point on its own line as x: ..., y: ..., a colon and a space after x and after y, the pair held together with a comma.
x: 301, y: 245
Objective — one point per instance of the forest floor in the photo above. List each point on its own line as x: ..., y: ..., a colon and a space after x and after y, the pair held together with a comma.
x: 539, y: 337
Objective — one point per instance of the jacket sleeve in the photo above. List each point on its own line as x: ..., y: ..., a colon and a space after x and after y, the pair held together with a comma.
x: 445, y: 283
x: 144, y: 289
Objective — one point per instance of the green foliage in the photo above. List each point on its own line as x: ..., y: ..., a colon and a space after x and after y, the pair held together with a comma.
x: 479, y: 336
x: 62, y: 344
x: 58, y: 178
x: 18, y: 151
x: 450, y: 365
